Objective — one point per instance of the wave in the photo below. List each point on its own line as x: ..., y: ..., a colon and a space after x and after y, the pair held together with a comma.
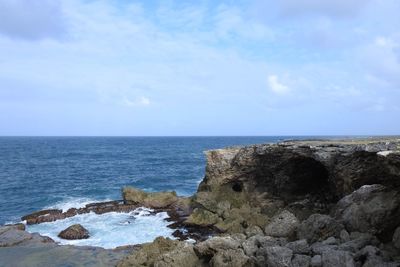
x: 111, y: 229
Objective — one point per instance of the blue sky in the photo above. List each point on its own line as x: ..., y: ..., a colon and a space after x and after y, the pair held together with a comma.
x: 290, y: 67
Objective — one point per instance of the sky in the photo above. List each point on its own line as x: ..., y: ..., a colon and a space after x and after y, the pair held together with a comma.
x: 246, y: 67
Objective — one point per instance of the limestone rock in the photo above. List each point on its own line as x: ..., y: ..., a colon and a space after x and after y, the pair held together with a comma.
x: 319, y: 227
x: 283, y: 224
x: 151, y: 200
x: 75, y: 231
x: 372, y: 208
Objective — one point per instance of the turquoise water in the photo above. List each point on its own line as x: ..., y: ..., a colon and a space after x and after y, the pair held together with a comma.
x: 42, y: 172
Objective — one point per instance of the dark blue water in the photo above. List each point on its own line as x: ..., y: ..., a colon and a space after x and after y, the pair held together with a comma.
x: 37, y: 172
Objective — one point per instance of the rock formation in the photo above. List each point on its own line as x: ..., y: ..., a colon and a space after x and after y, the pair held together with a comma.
x: 302, y: 203
x: 74, y: 232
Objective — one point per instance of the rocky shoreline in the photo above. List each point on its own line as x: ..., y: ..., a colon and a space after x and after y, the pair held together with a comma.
x: 295, y: 203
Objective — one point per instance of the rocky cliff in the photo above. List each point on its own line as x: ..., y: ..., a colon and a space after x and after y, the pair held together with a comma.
x: 302, y: 203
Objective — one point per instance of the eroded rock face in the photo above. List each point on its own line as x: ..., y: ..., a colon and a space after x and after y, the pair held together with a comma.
x: 246, y: 187
x: 75, y: 231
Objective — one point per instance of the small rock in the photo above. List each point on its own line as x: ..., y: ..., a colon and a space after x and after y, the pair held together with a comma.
x: 75, y: 231
x: 316, y: 261
x: 299, y: 246
x: 344, y: 236
x: 300, y: 261
x: 209, y: 247
x: 335, y: 258
x: 282, y: 225
x: 278, y: 256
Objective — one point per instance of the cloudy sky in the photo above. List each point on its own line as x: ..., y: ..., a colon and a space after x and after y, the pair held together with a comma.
x: 124, y: 67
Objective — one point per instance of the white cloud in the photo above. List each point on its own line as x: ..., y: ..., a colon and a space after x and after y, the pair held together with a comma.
x: 138, y: 102
x: 276, y: 86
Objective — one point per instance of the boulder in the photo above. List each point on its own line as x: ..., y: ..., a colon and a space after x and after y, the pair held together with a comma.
x: 155, y: 200
x: 75, y: 231
x: 319, y: 227
x: 371, y: 208
x: 283, y: 224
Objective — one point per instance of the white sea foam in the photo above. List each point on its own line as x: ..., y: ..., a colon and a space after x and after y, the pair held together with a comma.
x: 111, y: 229
x: 74, y: 202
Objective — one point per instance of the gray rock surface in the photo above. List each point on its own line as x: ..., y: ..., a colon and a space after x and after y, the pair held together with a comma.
x: 318, y: 227
x: 283, y: 224
x: 371, y: 208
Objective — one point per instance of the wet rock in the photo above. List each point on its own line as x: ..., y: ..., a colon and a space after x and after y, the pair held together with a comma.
x: 151, y: 200
x: 17, y: 226
x: 301, y: 261
x: 283, y: 224
x: 335, y: 258
x: 73, y: 232
x: 319, y: 227
x: 372, y: 208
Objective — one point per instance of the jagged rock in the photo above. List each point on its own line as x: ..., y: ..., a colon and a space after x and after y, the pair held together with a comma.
x: 277, y: 256
x: 75, y: 231
x: 299, y: 246
x: 396, y: 238
x: 283, y: 224
x: 151, y: 200
x: 330, y: 241
x: 318, y: 227
x: 230, y: 258
x: 209, y: 247
x: 316, y: 261
x: 301, y: 261
x: 202, y: 217
x: 319, y: 248
x: 335, y: 258
x: 372, y: 208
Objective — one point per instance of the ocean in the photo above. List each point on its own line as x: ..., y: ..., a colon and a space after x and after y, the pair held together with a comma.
x: 62, y: 172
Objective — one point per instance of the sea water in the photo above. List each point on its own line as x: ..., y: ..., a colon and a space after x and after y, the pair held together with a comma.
x: 63, y: 172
